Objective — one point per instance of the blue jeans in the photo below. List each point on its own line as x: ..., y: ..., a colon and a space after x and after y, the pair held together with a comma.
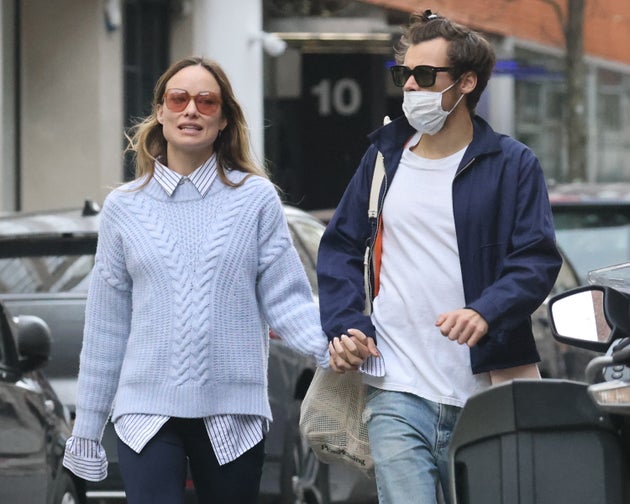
x: 409, y: 439
x: 157, y: 474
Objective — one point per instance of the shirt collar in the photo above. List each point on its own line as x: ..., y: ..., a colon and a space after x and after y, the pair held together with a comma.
x: 201, y: 178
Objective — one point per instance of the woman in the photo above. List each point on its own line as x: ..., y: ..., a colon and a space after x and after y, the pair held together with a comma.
x: 194, y: 259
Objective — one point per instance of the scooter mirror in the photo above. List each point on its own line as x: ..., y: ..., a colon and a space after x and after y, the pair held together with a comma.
x: 590, y: 317
x: 581, y: 316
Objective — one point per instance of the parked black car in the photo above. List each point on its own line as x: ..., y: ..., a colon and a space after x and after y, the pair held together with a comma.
x: 592, y: 223
x: 34, y: 425
x: 45, y: 262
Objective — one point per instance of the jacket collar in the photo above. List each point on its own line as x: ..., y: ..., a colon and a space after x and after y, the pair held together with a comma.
x: 390, y: 138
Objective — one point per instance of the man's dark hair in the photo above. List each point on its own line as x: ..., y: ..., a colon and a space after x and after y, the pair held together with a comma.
x: 468, y: 51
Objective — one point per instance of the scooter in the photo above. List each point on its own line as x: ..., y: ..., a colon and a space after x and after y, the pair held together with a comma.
x: 556, y: 441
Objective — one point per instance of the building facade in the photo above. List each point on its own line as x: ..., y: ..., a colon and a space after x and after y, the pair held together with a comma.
x: 76, y: 73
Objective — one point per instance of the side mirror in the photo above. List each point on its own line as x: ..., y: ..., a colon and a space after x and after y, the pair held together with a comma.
x: 33, y: 342
x: 590, y: 317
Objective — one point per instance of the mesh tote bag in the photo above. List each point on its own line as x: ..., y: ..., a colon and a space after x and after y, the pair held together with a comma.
x: 331, y: 420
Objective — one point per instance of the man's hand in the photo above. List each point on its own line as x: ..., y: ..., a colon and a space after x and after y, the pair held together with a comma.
x: 349, y: 351
x: 465, y: 326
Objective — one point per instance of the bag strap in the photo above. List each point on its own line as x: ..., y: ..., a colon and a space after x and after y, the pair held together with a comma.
x: 377, y: 180
x: 375, y: 190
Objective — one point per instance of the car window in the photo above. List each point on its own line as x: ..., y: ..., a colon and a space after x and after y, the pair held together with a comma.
x: 6, y: 336
x: 594, y: 236
x: 54, y: 273
x: 306, y: 236
x: 64, y: 265
x: 3, y: 336
x: 567, y: 279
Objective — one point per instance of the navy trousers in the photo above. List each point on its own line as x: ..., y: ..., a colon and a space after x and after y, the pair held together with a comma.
x: 157, y: 475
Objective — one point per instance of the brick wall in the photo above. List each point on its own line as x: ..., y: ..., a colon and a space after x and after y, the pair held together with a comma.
x: 606, y: 25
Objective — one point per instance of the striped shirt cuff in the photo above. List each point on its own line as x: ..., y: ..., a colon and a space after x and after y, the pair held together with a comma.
x: 373, y: 366
x: 85, y: 458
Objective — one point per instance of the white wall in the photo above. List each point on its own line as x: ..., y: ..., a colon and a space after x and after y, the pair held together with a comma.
x: 7, y: 108
x: 71, y: 104
x: 226, y: 32
x: 181, y: 35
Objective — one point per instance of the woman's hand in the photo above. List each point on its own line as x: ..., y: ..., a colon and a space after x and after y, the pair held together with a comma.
x: 349, y: 351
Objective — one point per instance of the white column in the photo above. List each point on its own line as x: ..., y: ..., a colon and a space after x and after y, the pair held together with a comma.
x: 501, y: 92
x: 7, y: 107
x: 501, y: 113
x: 229, y: 33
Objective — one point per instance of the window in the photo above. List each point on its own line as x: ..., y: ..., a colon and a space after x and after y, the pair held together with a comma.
x: 22, y: 275
x: 306, y: 236
x: 592, y: 237
x: 610, y: 111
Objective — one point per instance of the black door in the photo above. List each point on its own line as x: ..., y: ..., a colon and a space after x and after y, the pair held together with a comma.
x: 315, y: 141
x: 146, y: 56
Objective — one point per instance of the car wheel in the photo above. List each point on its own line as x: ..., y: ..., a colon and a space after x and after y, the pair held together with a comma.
x: 304, y: 479
x: 66, y: 491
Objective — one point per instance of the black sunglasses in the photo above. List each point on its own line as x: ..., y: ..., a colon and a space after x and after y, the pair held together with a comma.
x: 423, y: 74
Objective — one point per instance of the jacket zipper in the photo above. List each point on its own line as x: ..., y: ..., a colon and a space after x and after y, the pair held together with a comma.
x: 464, y: 168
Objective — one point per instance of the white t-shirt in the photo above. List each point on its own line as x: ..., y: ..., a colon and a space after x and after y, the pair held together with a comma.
x: 421, y: 278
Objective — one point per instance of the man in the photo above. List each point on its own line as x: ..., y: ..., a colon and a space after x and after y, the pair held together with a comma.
x: 468, y: 253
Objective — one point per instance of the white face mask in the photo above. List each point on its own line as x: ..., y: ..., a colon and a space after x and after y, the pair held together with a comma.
x: 424, y: 111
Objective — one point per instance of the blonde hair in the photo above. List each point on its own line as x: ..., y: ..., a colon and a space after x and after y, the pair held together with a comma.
x: 232, y: 146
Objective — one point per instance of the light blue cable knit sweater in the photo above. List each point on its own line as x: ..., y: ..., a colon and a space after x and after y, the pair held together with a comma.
x: 179, y: 301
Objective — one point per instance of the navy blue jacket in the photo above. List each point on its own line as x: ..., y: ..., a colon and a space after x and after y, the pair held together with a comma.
x: 505, y: 236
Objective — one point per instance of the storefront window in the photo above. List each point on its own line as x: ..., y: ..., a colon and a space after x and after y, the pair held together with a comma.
x: 540, y: 95
x: 541, y: 106
x: 613, y: 126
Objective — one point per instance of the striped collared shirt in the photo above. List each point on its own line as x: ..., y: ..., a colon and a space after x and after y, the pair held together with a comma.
x: 230, y: 435
x: 201, y: 178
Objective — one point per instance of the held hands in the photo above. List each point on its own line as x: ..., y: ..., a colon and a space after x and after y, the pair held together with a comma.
x: 348, y: 351
x: 465, y: 326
